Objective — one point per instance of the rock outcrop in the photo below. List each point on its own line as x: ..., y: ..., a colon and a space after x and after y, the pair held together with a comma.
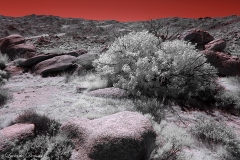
x: 15, y: 132
x: 121, y: 136
x: 197, y: 36
x: 14, y: 46
x: 44, y: 56
x: 45, y: 64
x: 217, y: 45
x: 226, y: 64
x: 39, y: 58
x: 55, y: 64
x: 10, y: 41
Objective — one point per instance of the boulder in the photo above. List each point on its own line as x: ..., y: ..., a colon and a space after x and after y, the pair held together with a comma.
x: 10, y: 41
x: 20, y: 49
x: 86, y: 60
x: 121, y: 136
x: 227, y: 65
x: 17, y: 132
x: 44, y: 56
x: 108, y: 93
x: 197, y: 36
x: 81, y: 89
x: 14, y: 45
x: 29, y: 54
x: 39, y: 58
x: 54, y: 65
x: 216, y: 45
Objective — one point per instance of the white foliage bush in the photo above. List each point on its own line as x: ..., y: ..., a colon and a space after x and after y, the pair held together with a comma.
x: 142, y: 65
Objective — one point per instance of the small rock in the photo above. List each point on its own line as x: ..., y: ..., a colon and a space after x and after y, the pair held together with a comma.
x: 109, y: 92
x: 14, y: 70
x: 15, y: 132
x: 81, y: 89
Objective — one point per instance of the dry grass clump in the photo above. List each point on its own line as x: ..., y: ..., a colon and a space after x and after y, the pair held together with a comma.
x: 214, y: 133
x: 43, y: 124
x: 4, y: 59
x: 4, y: 76
x: 171, y: 140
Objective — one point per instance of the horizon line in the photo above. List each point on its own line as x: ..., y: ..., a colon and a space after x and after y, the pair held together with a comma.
x: 204, y: 17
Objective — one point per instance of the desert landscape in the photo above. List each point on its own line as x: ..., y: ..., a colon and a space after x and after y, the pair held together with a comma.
x: 79, y: 89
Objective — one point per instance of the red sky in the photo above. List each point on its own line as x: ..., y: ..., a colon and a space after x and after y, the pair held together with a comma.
x: 121, y: 10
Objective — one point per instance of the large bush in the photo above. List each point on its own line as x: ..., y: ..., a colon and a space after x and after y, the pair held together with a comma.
x: 141, y: 64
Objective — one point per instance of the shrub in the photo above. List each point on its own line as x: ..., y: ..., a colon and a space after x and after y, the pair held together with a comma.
x: 161, y: 29
x: 47, y: 143
x: 41, y: 147
x: 5, y: 96
x: 4, y: 76
x: 212, y: 132
x: 18, y: 62
x: 92, y: 81
x: 43, y: 124
x: 67, y: 77
x: 61, y: 149
x: 3, y: 60
x: 150, y: 106
x: 173, y: 70
x: 170, y: 141
x: 226, y: 99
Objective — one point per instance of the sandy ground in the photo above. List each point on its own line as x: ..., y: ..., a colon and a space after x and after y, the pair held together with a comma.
x: 53, y: 97
x: 60, y: 100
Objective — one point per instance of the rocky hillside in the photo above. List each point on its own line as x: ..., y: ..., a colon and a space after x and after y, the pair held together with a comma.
x: 77, y: 33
